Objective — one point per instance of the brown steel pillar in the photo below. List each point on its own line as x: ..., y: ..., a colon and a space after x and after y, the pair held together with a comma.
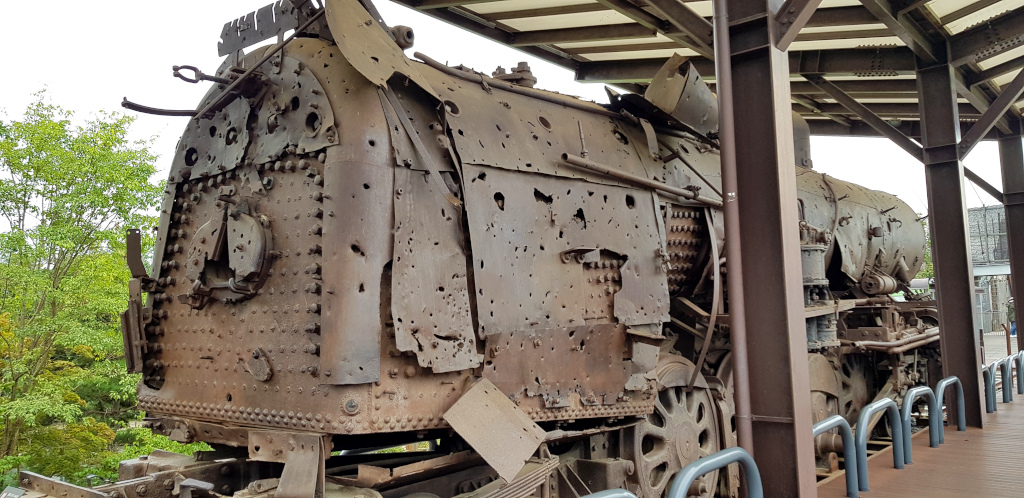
x: 1011, y: 158
x: 947, y: 221
x: 770, y: 254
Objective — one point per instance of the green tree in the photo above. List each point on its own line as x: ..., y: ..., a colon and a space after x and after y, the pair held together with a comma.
x: 67, y: 194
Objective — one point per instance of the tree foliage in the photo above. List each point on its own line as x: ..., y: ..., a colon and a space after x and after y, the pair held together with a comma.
x: 68, y: 192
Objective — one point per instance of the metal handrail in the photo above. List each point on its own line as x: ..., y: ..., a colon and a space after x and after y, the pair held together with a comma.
x: 934, y: 419
x: 1007, y: 377
x: 940, y: 393
x: 862, y: 437
x: 849, y: 450
x: 990, y: 389
x: 1018, y: 358
x: 682, y: 482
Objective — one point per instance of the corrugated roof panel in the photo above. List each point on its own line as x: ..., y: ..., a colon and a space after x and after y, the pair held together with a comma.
x: 942, y: 8
x: 511, y: 5
x: 1005, y: 79
x: 640, y: 54
x: 567, y: 21
x: 982, y: 15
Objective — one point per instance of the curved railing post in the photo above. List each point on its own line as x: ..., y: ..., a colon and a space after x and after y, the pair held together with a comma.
x: 849, y: 450
x: 684, y: 479
x: 934, y: 419
x: 862, y: 437
x: 940, y: 393
x: 990, y: 389
x: 1007, y: 378
x: 1018, y: 358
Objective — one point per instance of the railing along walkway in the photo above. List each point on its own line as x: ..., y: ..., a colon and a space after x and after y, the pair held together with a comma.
x: 975, y: 463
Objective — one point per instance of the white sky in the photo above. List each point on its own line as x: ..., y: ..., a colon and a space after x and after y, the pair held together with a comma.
x: 89, y: 55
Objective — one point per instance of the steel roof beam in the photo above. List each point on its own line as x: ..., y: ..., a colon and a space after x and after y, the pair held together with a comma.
x: 688, y: 22
x: 909, y: 127
x: 988, y: 39
x: 897, y: 111
x: 545, y: 11
x: 790, y: 19
x: 997, y: 110
x: 815, y: 108
x: 966, y: 11
x: 652, y: 21
x: 491, y: 32
x: 860, y: 62
x: 865, y: 88
x: 907, y: 31
x: 995, y: 71
x: 977, y: 98
x: 442, y: 4
x: 982, y: 184
x: 584, y: 34
x: 880, y: 125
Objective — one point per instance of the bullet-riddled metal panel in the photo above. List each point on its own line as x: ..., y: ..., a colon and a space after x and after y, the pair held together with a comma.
x: 495, y: 428
x: 516, y: 132
x: 367, y: 46
x: 423, y: 116
x: 357, y: 242
x: 430, y: 297
x: 531, y: 240
x: 585, y: 360
x: 295, y: 111
x: 213, y: 146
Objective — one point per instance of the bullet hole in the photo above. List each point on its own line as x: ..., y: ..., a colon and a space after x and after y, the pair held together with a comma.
x: 620, y: 137
x: 630, y: 201
x: 482, y: 176
x: 374, y: 59
x: 357, y: 250
x: 544, y: 122
x: 440, y: 289
x: 229, y: 397
x: 191, y: 157
x: 580, y: 217
x: 362, y: 288
x: 373, y: 143
x: 213, y: 131
x: 295, y: 103
x: 312, y: 123
x: 451, y: 108
x: 541, y: 197
x: 499, y: 199
x: 366, y: 186
x: 462, y: 133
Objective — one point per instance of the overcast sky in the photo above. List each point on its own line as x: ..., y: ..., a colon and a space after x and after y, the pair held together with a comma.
x: 89, y: 55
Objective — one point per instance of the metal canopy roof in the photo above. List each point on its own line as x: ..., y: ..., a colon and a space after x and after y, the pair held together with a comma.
x: 867, y: 48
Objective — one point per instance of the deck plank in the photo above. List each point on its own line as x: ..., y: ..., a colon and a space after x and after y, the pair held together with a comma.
x: 976, y: 463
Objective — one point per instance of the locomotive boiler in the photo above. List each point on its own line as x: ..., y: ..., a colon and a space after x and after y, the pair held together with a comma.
x: 359, y: 250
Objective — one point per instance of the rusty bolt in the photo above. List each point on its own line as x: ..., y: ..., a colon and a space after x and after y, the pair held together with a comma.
x: 352, y: 407
x: 141, y: 490
x: 536, y: 343
x: 314, y: 308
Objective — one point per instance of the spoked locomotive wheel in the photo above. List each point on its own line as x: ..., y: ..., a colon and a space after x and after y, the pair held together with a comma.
x: 683, y: 428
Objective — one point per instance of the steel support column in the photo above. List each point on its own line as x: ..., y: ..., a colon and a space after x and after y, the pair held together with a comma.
x: 770, y: 253
x: 954, y: 276
x: 1011, y: 159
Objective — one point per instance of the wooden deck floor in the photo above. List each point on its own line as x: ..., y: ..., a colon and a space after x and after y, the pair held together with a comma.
x: 977, y: 463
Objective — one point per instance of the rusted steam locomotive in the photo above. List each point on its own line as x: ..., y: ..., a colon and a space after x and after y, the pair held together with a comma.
x: 357, y: 250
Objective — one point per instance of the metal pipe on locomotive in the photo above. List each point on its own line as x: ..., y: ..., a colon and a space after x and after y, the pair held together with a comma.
x: 358, y: 250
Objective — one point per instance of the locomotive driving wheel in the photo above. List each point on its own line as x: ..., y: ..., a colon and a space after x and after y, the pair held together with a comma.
x: 683, y: 428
